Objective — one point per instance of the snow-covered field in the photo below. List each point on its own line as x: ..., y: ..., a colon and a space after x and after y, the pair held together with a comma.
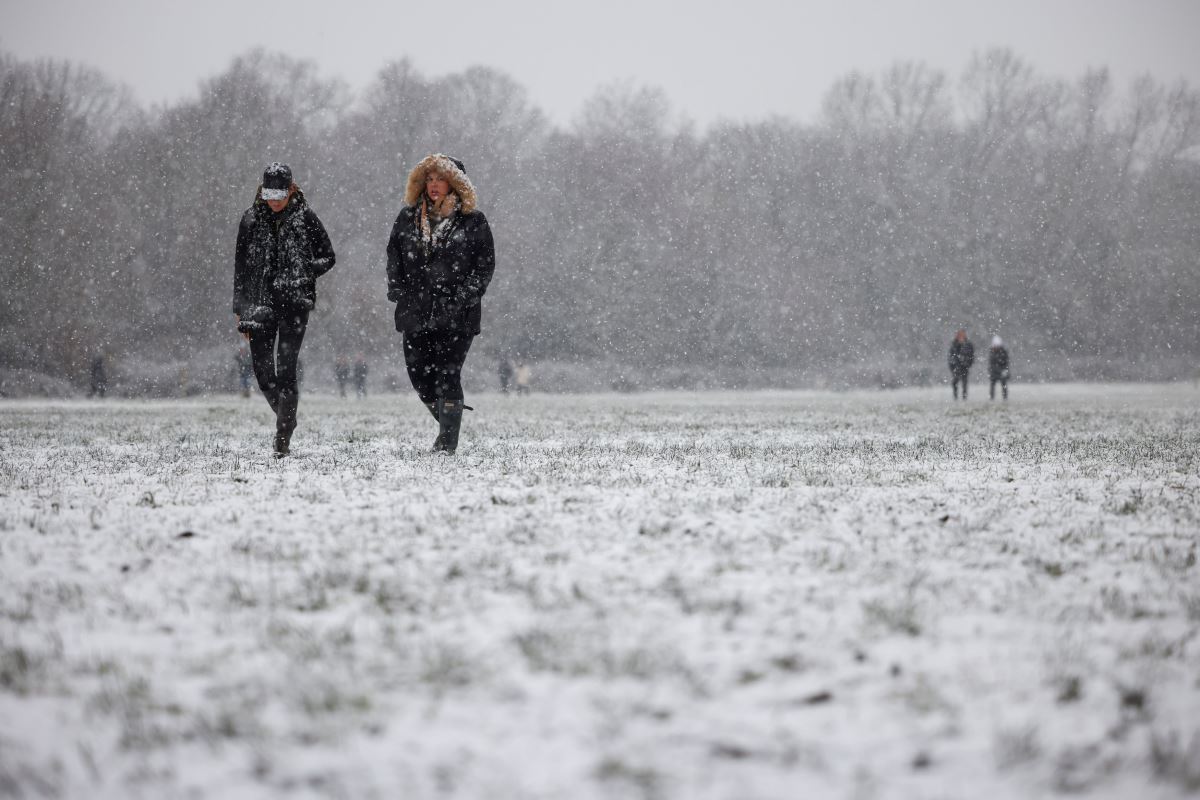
x: 767, y: 595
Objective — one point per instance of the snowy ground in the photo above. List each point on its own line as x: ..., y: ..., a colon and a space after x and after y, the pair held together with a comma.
x: 772, y: 595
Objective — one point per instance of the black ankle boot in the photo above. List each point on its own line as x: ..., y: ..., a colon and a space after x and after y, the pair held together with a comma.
x: 449, y: 414
x: 283, y: 443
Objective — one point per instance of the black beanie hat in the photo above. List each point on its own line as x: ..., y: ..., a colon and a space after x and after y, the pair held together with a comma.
x: 276, y: 181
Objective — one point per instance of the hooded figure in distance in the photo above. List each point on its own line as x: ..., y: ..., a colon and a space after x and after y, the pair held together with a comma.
x: 998, y: 368
x: 440, y: 259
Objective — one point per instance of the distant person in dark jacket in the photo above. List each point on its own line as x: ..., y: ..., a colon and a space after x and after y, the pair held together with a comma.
x: 282, y: 249
x: 245, y: 370
x: 998, y: 368
x: 360, y: 376
x: 962, y: 356
x: 505, y: 371
x: 99, y: 384
x: 440, y: 259
x: 341, y: 373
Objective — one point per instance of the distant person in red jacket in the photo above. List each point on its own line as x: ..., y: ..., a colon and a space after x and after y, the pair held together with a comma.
x: 962, y: 356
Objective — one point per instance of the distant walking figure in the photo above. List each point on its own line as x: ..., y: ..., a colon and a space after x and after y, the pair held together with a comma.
x: 360, y: 376
x: 440, y: 259
x: 341, y: 373
x: 505, y: 371
x: 962, y: 356
x: 523, y: 375
x: 245, y: 370
x: 99, y: 383
x: 282, y: 248
x: 998, y: 368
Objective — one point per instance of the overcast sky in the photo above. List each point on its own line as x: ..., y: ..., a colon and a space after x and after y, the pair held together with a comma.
x: 737, y: 59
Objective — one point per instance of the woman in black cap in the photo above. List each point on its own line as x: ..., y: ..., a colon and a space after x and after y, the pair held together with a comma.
x: 282, y: 248
x: 440, y: 261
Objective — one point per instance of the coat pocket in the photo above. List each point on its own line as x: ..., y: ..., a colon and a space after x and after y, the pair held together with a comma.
x: 411, y: 313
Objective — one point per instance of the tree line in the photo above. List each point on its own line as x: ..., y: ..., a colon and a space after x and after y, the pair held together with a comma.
x: 1062, y: 214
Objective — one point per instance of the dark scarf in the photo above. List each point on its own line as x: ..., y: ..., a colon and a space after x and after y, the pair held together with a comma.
x: 278, y: 248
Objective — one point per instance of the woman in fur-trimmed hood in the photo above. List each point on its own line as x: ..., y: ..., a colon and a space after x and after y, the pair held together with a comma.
x: 282, y: 248
x: 440, y: 259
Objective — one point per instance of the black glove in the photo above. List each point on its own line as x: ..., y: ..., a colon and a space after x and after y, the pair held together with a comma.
x: 255, y: 319
x: 443, y: 315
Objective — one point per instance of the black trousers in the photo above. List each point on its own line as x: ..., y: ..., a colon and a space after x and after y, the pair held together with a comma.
x: 1003, y: 388
x: 959, y: 375
x: 275, y: 366
x: 434, y: 360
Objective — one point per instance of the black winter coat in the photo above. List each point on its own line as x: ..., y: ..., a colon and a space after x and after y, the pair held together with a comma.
x: 998, y: 363
x: 962, y: 356
x: 440, y: 286
x: 279, y: 258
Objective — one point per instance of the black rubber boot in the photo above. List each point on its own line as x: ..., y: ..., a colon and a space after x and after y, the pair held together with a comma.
x: 285, y: 422
x: 437, y: 443
x: 449, y: 414
x: 433, y: 408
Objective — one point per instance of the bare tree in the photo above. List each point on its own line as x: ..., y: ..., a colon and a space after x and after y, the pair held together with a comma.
x: 1062, y: 212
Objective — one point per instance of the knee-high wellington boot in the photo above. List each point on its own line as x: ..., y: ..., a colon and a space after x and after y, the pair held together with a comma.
x: 449, y: 414
x: 433, y: 409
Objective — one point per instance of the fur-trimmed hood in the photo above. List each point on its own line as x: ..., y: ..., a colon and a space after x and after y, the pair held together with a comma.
x: 460, y: 184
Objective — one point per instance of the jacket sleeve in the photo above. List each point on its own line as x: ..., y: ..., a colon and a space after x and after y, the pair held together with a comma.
x: 394, y: 263
x: 483, y: 264
x: 322, y: 249
x: 241, y: 268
